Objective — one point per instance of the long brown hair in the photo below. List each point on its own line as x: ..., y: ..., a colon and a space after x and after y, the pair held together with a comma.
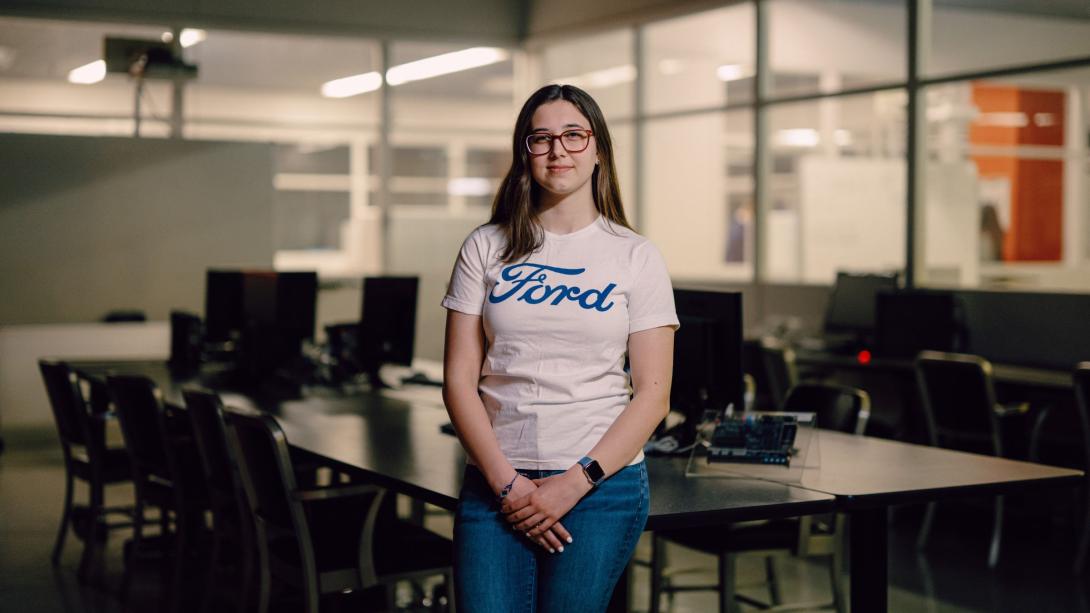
x: 515, y: 207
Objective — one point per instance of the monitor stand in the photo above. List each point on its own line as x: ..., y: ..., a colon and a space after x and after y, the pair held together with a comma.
x: 374, y: 379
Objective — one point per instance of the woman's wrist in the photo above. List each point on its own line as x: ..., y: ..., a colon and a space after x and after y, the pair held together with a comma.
x: 578, y: 480
x: 502, y: 479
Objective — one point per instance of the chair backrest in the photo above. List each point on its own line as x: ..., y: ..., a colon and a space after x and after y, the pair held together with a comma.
x: 268, y: 478
x: 67, y: 403
x: 1081, y: 379
x: 780, y: 370
x: 838, y: 407
x: 210, y: 431
x: 958, y: 400
x: 142, y: 416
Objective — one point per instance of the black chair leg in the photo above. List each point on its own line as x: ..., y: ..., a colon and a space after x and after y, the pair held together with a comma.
x: 66, y: 517
x: 249, y: 568
x: 925, y: 527
x: 726, y: 583
x: 181, y: 536
x: 90, y: 541
x: 997, y: 534
x: 265, y: 582
x: 214, y: 565
x: 135, y: 548
x: 1084, y: 539
x: 658, y: 552
x: 773, y: 582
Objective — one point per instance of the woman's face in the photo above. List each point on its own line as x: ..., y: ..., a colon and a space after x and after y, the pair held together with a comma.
x: 559, y: 171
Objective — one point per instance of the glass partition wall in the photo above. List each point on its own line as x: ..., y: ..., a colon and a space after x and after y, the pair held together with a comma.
x: 757, y: 142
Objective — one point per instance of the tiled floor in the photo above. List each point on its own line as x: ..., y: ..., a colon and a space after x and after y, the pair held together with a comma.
x: 1034, y: 574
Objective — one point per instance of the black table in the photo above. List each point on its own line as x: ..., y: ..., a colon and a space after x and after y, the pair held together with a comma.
x: 867, y: 475
x: 399, y: 445
x: 1001, y: 373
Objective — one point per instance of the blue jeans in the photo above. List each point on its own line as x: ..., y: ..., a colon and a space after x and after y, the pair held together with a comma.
x: 498, y: 570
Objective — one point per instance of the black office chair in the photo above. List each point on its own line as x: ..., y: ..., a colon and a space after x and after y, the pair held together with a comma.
x: 1082, y: 398
x: 325, y: 540
x: 753, y: 364
x: 838, y: 407
x: 961, y: 413
x: 166, y: 476
x: 87, y: 458
x: 780, y: 370
x: 233, y: 547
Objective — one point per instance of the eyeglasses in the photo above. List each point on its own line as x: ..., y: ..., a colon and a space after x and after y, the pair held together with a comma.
x: 573, y: 141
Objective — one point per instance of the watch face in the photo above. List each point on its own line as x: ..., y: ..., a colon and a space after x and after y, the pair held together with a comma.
x: 594, y: 471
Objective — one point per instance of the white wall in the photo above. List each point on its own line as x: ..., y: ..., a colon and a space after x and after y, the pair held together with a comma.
x: 23, y: 401
x: 96, y: 224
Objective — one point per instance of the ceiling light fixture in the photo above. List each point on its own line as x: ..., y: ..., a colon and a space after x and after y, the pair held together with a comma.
x: 88, y: 73
x: 446, y: 63
x: 352, y: 86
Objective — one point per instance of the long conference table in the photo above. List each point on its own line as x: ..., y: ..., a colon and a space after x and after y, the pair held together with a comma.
x: 394, y: 438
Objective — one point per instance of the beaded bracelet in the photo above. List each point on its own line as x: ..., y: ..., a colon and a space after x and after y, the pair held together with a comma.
x: 507, y: 488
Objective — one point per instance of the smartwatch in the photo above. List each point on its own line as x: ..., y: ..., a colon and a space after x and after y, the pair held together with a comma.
x: 592, y: 471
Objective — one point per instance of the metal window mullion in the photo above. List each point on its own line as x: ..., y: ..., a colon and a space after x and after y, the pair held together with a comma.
x: 761, y: 156
x: 385, y: 158
x: 639, y: 161
x: 917, y: 31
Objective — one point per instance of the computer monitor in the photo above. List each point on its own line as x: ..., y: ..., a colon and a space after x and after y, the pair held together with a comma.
x: 851, y: 308
x: 223, y: 310
x: 268, y: 314
x: 387, y: 323
x: 912, y: 321
x: 707, y: 353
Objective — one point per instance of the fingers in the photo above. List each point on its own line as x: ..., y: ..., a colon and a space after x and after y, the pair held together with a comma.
x: 548, y: 541
x: 521, y: 514
x: 554, y: 543
x: 531, y: 524
x: 561, y: 532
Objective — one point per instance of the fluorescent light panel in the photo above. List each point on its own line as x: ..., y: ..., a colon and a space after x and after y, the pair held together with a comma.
x: 353, y: 85
x: 88, y: 73
x: 419, y: 70
x: 446, y: 63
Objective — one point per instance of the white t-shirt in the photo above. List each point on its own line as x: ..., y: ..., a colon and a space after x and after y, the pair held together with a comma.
x: 557, y: 325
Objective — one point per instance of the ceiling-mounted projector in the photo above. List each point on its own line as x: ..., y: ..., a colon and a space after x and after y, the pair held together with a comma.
x: 148, y: 59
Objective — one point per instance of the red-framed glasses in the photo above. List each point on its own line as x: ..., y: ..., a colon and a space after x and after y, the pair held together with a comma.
x: 573, y: 141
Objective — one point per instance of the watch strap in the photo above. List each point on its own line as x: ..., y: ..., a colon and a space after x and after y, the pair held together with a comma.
x: 592, y: 470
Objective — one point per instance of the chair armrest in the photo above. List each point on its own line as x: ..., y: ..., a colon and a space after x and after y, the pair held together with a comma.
x: 328, y: 493
x: 1010, y: 410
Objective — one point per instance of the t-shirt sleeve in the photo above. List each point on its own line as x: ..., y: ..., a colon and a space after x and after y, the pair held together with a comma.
x: 466, y: 290
x: 651, y: 301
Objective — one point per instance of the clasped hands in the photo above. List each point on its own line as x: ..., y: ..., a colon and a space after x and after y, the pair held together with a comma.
x: 535, y: 506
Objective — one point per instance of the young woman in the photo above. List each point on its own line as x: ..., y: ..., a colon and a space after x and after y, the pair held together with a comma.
x: 543, y: 305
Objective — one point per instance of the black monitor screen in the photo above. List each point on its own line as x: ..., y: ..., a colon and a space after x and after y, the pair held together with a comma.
x: 912, y: 321
x: 271, y: 313
x: 707, y: 352
x: 223, y: 314
x: 296, y: 303
x: 388, y: 321
x: 852, y: 304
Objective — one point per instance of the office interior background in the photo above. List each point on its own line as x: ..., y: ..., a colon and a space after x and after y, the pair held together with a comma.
x: 762, y: 146
x: 259, y: 161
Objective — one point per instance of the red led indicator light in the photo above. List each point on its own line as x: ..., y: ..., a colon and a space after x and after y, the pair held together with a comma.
x: 863, y: 357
